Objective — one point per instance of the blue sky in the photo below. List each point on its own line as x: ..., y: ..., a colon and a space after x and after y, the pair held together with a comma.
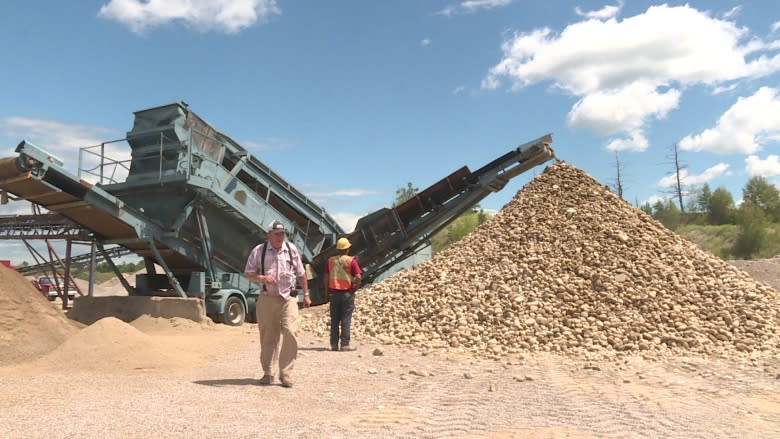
x: 349, y: 100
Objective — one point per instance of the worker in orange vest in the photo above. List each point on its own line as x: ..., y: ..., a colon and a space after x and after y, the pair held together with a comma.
x: 342, y: 278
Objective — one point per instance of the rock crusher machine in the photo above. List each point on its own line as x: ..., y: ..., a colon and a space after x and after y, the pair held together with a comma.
x: 191, y: 200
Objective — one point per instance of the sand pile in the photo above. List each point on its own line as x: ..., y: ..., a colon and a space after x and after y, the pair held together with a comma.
x: 99, y: 290
x: 30, y: 326
x: 112, y: 345
x: 115, y: 283
x: 114, y: 286
x: 569, y: 267
x: 157, y: 325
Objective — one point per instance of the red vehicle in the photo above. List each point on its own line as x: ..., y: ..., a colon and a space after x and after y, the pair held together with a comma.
x: 8, y: 264
x: 47, y: 287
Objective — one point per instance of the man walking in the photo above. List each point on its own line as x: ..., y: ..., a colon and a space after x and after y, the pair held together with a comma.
x: 276, y: 265
x: 342, y: 278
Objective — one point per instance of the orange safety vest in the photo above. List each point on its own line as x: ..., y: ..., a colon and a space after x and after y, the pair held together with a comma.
x: 340, y: 275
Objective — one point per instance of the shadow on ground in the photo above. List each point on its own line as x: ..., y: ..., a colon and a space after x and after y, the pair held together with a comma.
x: 314, y: 349
x: 229, y: 382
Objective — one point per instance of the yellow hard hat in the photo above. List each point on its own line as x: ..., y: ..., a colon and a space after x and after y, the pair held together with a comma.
x: 343, y: 244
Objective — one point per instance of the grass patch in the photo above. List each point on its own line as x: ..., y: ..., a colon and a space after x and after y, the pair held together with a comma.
x: 719, y: 240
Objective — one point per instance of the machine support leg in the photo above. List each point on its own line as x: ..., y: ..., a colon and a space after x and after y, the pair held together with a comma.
x: 92, y: 266
x: 171, y: 277
x: 66, y: 276
x: 130, y: 290
x: 203, y: 228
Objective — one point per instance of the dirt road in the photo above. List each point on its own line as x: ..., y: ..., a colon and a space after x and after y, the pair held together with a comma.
x: 174, y: 379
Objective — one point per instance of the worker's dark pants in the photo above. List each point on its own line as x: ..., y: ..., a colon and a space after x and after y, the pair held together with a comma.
x: 341, y: 307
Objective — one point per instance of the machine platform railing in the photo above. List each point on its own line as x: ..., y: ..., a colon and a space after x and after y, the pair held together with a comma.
x: 97, y: 167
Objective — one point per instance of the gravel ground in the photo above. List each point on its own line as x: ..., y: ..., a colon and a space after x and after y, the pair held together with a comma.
x: 205, y: 384
x: 762, y: 270
x: 401, y: 393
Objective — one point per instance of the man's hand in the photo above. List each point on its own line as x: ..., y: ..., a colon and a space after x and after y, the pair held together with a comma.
x: 306, y: 301
x: 269, y: 279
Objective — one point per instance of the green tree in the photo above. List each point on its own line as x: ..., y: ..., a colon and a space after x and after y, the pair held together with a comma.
x: 703, y: 197
x: 103, y: 267
x: 752, y: 231
x: 482, y: 216
x: 405, y: 193
x: 692, y: 215
x: 124, y: 267
x: 668, y: 214
x: 460, y: 227
x: 647, y: 208
x: 761, y: 194
x: 721, y: 207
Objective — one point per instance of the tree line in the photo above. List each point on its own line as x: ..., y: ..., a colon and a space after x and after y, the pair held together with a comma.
x: 124, y: 267
x: 760, y: 209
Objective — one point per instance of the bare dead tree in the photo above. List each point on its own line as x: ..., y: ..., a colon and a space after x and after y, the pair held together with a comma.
x: 617, y: 185
x: 678, y: 189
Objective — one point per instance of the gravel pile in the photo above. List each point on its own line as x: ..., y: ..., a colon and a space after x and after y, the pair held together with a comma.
x: 569, y: 267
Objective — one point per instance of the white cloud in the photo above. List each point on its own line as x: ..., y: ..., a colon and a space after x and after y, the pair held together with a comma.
x: 775, y: 26
x: 17, y: 252
x: 425, y: 42
x: 656, y: 198
x: 609, y: 112
x: 229, y: 16
x: 623, y: 112
x: 344, y: 193
x: 458, y: 90
x: 708, y: 175
x: 16, y: 207
x: 720, y: 89
x: 604, y: 13
x: 64, y: 140
x: 733, y: 12
x: 637, y: 67
x: 278, y: 144
x: 57, y: 135
x: 768, y: 167
x: 471, y: 6
x: 347, y: 220
x: 636, y: 141
x: 744, y: 128
x: 340, y: 203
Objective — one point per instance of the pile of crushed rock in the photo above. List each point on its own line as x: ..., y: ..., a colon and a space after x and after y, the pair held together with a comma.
x: 30, y: 325
x: 569, y: 267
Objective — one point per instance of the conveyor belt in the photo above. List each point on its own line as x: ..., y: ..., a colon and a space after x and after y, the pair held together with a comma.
x: 24, y: 185
x: 61, y: 193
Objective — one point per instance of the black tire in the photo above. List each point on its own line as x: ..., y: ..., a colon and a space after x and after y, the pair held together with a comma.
x: 251, y: 317
x: 234, y: 314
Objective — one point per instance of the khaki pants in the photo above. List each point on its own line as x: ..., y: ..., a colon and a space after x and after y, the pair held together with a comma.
x: 278, y: 317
